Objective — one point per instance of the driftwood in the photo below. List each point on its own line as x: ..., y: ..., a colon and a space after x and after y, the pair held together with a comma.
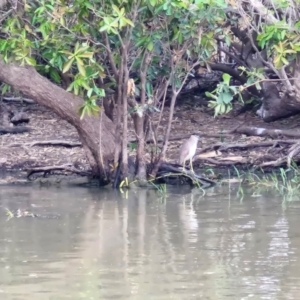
x: 48, y: 143
x: 287, y: 159
x: 291, y: 147
x: 223, y: 162
x: 185, y: 136
x: 171, y: 173
x: 19, y: 117
x: 18, y: 99
x: 295, y: 149
x: 14, y: 130
x: 256, y: 131
x: 225, y: 146
x: 48, y: 169
x: 9, y: 117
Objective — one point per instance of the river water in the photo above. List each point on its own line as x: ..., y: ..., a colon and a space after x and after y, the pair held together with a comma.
x: 99, y: 244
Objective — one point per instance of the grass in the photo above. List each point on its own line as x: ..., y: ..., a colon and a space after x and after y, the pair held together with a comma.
x: 160, y: 188
x: 285, y: 182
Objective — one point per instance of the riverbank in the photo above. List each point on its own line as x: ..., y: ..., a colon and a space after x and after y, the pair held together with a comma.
x: 53, y: 142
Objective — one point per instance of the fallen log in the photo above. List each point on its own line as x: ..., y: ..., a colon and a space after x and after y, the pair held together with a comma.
x: 69, y: 144
x: 46, y: 170
x: 225, y: 146
x: 257, y: 131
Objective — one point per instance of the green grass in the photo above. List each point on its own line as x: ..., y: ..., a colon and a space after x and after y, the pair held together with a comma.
x: 285, y: 182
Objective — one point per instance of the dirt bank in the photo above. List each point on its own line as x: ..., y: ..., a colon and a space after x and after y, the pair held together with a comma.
x: 41, y: 146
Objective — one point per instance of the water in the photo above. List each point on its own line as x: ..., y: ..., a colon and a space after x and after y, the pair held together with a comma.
x: 91, y: 244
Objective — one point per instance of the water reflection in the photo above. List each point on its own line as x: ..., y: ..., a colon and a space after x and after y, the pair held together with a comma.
x: 91, y: 244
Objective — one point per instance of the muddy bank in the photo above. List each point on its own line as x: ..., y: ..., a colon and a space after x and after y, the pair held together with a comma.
x: 53, y: 142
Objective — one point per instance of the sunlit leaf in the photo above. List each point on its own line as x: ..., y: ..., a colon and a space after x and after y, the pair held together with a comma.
x: 226, y: 77
x: 129, y: 22
x: 85, y: 85
x: 30, y: 61
x: 150, y: 46
x: 284, y: 60
x: 67, y: 65
x: 80, y: 66
x: 86, y: 55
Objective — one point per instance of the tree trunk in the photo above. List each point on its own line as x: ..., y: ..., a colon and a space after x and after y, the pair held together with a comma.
x: 66, y: 105
x: 278, y: 101
x: 140, y: 155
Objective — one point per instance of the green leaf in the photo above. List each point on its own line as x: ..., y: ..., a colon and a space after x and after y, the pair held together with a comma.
x: 105, y: 27
x: 115, y: 8
x: 54, y: 75
x: 222, y: 108
x: 289, y: 51
x: 99, y: 92
x: 86, y: 55
x: 217, y: 110
x: 226, y: 77
x: 210, y: 95
x: 258, y: 86
x: 85, y: 85
x: 129, y: 22
x: 68, y: 65
x: 82, y: 111
x: 284, y: 60
x: 226, y: 98
x: 30, y: 61
x: 150, y: 46
x: 80, y: 66
x: 89, y: 93
x: 71, y: 87
x: 5, y: 88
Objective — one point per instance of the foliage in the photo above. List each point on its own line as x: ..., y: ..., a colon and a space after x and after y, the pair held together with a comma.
x: 282, y: 42
x: 65, y: 39
x: 223, y: 96
x: 284, y: 181
x: 68, y: 39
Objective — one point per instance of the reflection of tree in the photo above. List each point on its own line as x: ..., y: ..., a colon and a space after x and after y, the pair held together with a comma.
x: 105, y: 246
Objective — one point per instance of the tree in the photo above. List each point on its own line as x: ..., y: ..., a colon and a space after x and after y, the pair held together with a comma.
x: 262, y: 41
x: 140, y: 51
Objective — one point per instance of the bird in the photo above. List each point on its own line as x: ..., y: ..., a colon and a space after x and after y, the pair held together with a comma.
x: 188, y: 150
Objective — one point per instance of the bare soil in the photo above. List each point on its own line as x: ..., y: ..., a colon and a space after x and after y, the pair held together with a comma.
x: 18, y: 153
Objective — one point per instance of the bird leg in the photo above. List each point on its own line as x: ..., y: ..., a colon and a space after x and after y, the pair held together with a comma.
x: 183, y: 166
x: 191, y: 165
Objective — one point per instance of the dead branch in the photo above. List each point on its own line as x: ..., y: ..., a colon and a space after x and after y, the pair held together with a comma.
x: 168, y: 170
x: 18, y: 99
x: 183, y: 136
x: 295, y: 149
x: 48, y: 169
x: 256, y: 131
x: 224, y: 163
x: 225, y: 147
x: 274, y: 163
x: 48, y: 143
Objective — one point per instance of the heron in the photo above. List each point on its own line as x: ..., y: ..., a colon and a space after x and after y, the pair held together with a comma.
x: 188, y: 150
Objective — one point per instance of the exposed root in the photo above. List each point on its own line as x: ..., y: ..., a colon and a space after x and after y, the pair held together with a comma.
x: 171, y: 173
